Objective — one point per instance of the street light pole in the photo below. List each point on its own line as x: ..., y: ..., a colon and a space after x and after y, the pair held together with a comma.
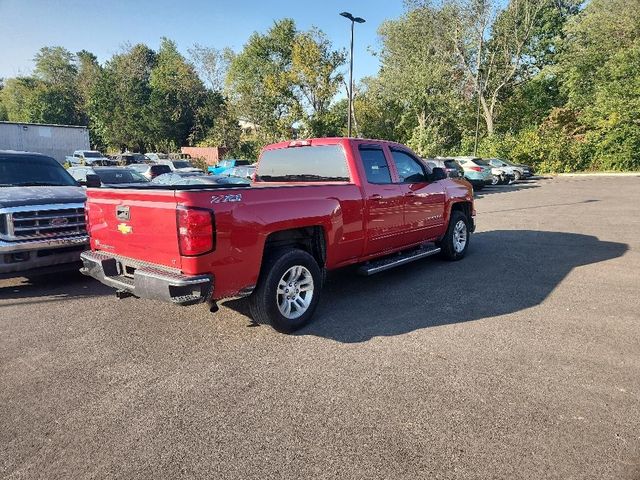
x: 353, y: 20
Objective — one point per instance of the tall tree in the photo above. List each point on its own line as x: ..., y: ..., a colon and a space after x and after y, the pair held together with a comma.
x: 211, y: 64
x: 419, y: 73
x: 315, y: 77
x: 176, y: 94
x: 259, y: 83
x: 119, y: 106
x: 600, y: 68
x: 491, y: 45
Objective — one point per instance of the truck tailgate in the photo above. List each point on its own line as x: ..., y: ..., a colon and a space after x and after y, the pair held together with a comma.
x: 138, y: 224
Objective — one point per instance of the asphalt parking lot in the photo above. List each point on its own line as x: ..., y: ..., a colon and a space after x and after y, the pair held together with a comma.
x: 521, y: 361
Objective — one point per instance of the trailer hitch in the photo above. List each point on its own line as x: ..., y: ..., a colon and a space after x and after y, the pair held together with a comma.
x: 120, y: 294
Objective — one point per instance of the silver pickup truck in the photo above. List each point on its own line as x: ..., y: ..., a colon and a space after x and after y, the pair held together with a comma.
x: 42, y: 224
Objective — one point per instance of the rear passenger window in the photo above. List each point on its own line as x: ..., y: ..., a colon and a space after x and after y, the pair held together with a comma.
x: 375, y: 165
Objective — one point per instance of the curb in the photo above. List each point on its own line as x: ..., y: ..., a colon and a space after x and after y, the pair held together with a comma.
x: 600, y: 174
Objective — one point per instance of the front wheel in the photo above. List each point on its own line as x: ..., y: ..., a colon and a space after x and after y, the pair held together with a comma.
x: 496, y: 180
x: 518, y: 176
x: 455, y: 242
x: 288, y: 290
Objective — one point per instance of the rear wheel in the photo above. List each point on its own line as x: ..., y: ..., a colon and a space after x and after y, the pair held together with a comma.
x: 288, y: 290
x: 455, y: 242
x: 517, y: 175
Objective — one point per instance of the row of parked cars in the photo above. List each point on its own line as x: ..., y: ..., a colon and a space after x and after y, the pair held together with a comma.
x: 481, y: 172
x: 91, y: 168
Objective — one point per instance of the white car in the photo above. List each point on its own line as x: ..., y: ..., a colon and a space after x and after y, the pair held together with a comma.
x: 179, y: 165
x: 88, y: 157
x: 517, y: 172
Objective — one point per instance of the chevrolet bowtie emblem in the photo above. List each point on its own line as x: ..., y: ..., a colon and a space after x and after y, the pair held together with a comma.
x: 124, y: 228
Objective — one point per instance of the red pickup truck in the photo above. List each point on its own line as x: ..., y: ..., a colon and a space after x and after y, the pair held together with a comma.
x: 314, y: 205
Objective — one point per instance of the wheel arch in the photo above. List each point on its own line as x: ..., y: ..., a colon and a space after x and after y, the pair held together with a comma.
x: 311, y: 239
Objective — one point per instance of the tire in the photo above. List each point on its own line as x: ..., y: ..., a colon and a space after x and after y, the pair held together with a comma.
x: 495, y: 180
x: 518, y: 176
x: 290, y: 281
x: 450, y: 243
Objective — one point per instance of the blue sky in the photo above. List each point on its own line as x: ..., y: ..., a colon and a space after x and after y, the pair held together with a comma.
x: 102, y: 27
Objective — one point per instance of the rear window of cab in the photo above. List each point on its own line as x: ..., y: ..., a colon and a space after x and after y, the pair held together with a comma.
x: 312, y: 163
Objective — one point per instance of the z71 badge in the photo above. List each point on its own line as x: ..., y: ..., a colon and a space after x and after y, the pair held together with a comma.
x: 226, y: 198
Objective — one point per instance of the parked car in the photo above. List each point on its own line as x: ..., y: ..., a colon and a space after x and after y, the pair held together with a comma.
x: 517, y: 172
x: 42, y: 227
x: 330, y: 202
x: 157, y: 156
x: 228, y: 164
x: 180, y: 165
x: 499, y: 176
x: 128, y: 158
x: 88, y: 157
x: 451, y: 168
x: 477, y: 174
x: 150, y: 171
x: 107, y: 175
x: 528, y: 171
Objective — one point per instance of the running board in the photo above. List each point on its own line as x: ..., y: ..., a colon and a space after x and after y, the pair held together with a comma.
x: 377, y: 266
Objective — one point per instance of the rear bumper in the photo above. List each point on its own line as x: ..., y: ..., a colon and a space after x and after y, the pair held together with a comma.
x: 145, y: 281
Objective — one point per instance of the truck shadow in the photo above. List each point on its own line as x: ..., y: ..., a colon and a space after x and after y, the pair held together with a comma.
x: 505, y: 271
x: 50, y: 288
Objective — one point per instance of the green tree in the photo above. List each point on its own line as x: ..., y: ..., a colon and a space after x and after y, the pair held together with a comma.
x: 285, y: 78
x: 599, y: 65
x: 315, y: 78
x: 211, y: 64
x: 17, y: 99
x: 176, y: 95
x: 259, y: 84
x: 120, y: 99
x: 3, y: 110
x: 421, y: 78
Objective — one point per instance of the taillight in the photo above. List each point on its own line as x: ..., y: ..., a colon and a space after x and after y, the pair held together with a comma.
x: 476, y: 169
x: 195, y: 231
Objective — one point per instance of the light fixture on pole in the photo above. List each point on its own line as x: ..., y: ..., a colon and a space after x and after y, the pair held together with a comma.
x: 353, y: 20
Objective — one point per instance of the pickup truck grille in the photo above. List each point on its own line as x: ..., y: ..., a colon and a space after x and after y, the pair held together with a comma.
x: 42, y: 222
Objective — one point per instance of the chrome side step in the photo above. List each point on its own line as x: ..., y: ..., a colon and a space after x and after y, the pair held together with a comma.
x: 377, y: 266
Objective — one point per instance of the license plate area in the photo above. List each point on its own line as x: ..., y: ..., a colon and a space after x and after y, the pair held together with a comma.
x: 125, y: 270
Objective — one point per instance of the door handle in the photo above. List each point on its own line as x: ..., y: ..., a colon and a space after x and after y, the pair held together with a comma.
x: 375, y: 196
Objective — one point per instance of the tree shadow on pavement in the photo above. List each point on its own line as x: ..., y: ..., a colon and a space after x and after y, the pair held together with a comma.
x: 514, y: 187
x: 505, y: 271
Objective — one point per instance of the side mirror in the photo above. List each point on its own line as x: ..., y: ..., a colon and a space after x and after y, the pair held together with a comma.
x: 93, y: 181
x: 438, y: 174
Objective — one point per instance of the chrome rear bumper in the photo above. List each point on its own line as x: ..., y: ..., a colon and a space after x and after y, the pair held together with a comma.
x: 144, y: 281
